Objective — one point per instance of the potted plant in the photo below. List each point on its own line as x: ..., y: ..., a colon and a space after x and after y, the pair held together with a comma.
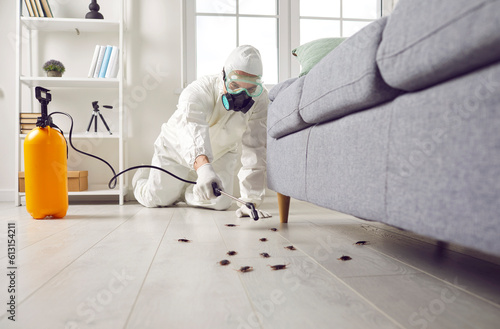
x: 54, y: 68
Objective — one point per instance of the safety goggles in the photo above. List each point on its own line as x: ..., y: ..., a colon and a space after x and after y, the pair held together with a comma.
x: 237, y: 83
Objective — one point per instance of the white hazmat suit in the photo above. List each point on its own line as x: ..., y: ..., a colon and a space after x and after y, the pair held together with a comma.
x: 202, y: 126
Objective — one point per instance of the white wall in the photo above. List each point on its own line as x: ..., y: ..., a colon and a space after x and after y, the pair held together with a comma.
x: 153, y: 74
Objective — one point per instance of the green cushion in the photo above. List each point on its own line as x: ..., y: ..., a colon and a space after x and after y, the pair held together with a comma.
x: 309, y: 54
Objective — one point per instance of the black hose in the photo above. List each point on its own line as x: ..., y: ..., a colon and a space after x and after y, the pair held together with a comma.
x: 113, y: 180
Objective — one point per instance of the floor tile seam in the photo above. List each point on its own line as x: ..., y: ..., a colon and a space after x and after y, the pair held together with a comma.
x: 132, y: 308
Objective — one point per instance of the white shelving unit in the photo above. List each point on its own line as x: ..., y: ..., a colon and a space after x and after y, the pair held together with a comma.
x: 27, y: 30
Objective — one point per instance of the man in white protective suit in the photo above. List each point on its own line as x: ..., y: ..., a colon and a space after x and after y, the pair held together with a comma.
x: 216, y: 114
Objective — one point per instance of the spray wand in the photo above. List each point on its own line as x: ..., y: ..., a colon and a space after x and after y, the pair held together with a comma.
x: 249, y: 205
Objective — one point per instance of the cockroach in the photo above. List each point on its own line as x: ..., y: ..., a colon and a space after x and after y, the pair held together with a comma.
x: 224, y: 262
x: 263, y: 239
x: 231, y: 252
x: 290, y: 247
x: 274, y: 229
x: 362, y: 243
x: 244, y: 269
x: 184, y: 240
x: 278, y: 267
x: 231, y: 225
x: 344, y: 258
x: 265, y: 255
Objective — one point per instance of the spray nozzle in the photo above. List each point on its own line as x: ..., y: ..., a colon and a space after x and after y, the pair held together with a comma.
x: 44, y: 97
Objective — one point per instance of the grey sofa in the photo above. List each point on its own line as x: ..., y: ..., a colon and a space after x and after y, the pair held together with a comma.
x: 400, y: 124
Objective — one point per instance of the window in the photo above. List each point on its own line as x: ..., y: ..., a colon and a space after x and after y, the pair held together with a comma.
x: 212, y: 28
x: 335, y: 18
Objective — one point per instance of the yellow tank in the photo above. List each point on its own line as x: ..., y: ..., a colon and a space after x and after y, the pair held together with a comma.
x: 46, y: 173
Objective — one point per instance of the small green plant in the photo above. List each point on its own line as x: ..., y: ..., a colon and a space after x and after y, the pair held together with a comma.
x: 53, y: 65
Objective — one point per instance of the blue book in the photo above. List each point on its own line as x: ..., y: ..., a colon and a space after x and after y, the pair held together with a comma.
x: 105, y: 62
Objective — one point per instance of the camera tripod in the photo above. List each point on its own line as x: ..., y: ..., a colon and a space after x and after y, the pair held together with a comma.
x: 94, y: 117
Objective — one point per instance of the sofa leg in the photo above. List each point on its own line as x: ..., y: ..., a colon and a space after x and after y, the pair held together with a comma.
x: 283, y: 207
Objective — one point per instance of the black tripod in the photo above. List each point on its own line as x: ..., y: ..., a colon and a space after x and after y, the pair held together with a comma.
x: 94, y: 117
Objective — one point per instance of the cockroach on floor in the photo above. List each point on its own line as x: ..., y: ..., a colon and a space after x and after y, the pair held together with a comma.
x: 274, y: 229
x: 278, y: 267
x: 224, y: 262
x: 230, y: 225
x: 263, y: 239
x: 265, y: 255
x: 344, y: 258
x: 362, y: 243
x: 244, y: 269
x: 184, y: 240
x: 290, y: 248
x: 231, y: 252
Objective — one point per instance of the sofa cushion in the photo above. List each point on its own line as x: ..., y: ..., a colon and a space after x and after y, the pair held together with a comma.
x: 283, y: 116
x: 309, y: 54
x: 273, y: 93
x: 347, y: 79
x: 426, y: 41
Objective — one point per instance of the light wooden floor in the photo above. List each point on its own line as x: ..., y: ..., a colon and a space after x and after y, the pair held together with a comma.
x: 109, y: 266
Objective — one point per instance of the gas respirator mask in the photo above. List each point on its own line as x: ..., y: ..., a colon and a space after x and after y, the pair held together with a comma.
x: 240, y: 90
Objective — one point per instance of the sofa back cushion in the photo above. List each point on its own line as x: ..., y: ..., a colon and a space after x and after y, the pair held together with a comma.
x: 347, y: 79
x: 426, y: 42
x: 283, y: 116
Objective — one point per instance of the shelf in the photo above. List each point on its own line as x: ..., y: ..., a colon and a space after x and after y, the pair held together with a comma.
x: 34, y: 32
x: 69, y: 25
x: 93, y: 190
x: 89, y: 135
x: 71, y: 82
x: 98, y: 190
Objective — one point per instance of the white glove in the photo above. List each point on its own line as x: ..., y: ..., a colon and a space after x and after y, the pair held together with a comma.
x: 243, y: 211
x: 206, y: 176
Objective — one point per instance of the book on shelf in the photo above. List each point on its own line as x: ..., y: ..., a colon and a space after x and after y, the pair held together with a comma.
x: 105, y: 62
x: 46, y: 8
x: 29, y: 115
x: 30, y: 9
x: 38, y: 8
x: 93, y: 63
x: 27, y: 121
x: 112, y: 70
x: 27, y: 126
x: 100, y: 56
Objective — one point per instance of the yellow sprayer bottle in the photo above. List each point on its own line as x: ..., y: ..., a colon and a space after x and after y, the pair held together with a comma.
x: 45, y: 166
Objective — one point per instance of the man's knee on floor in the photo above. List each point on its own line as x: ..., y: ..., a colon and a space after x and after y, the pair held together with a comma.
x: 222, y: 203
x: 151, y: 199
